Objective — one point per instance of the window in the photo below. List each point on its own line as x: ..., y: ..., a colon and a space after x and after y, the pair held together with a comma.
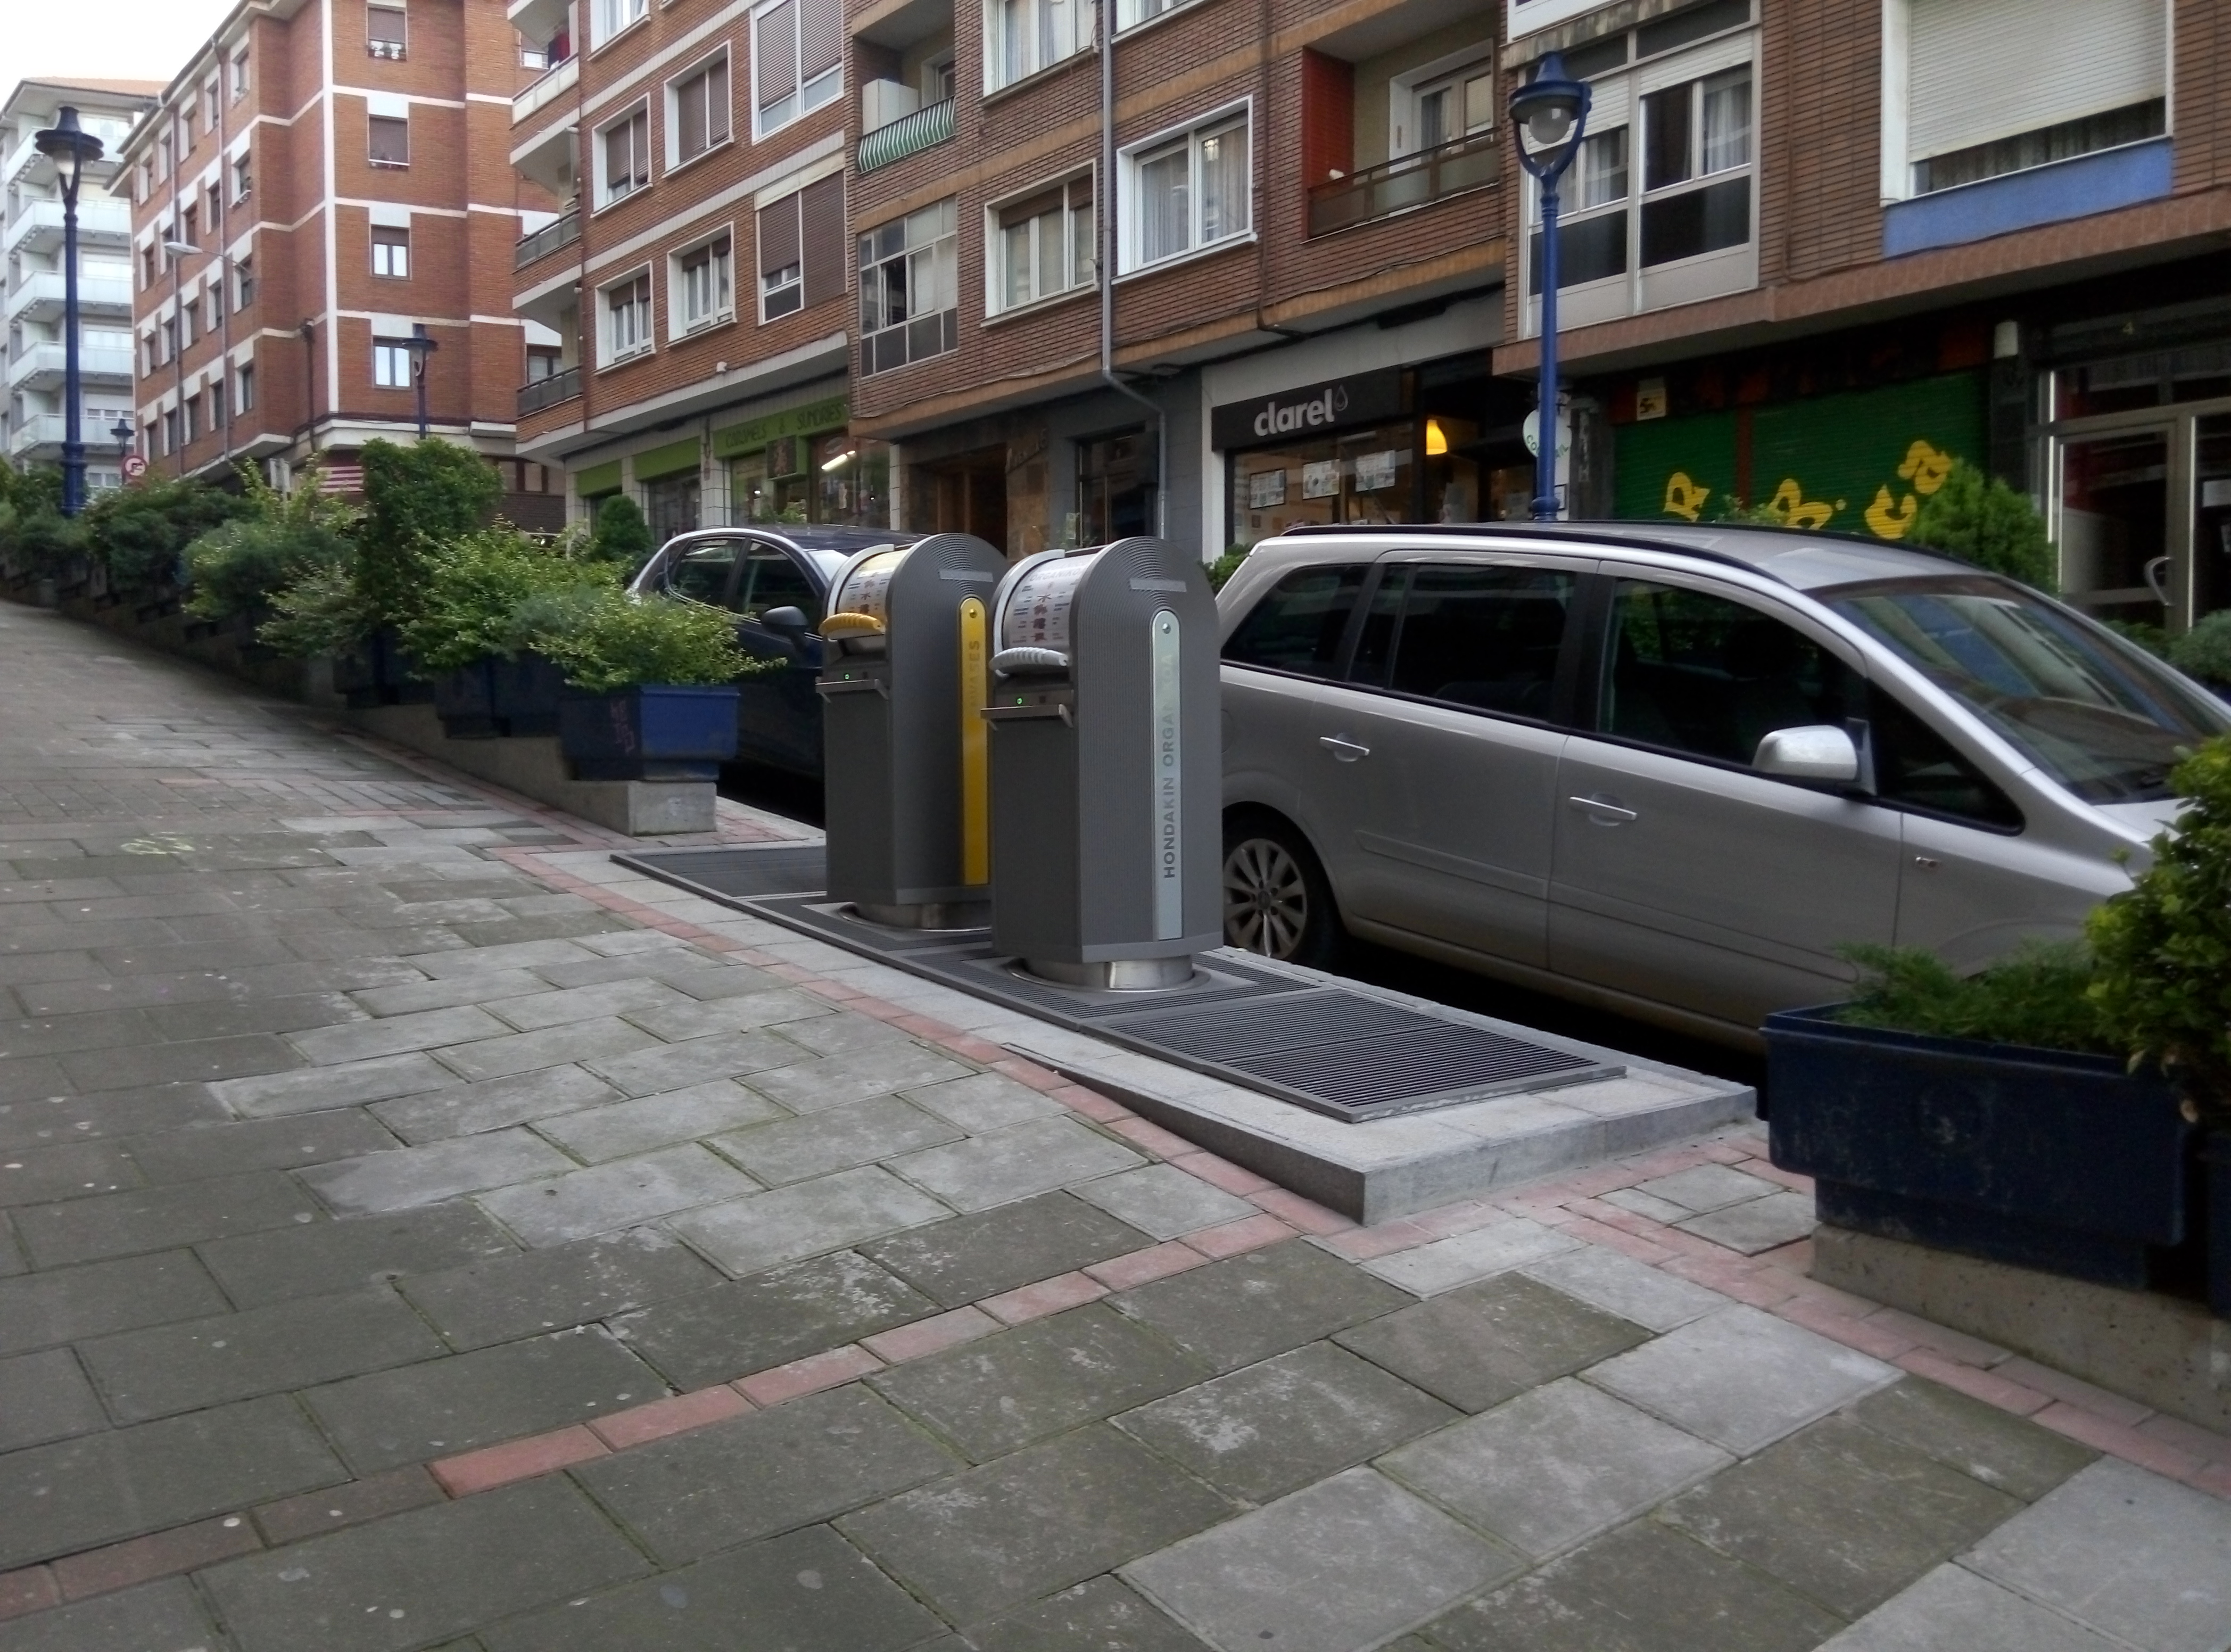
x: 193, y: 420
x: 910, y: 288
x: 1042, y: 245
x: 703, y: 573
x: 240, y: 73
x: 211, y: 104
x: 1189, y: 191
x: 391, y: 253
x: 701, y: 111
x: 146, y: 268
x: 1698, y: 131
x: 1299, y: 624
x: 146, y: 179
x: 802, y: 249
x: 190, y: 227
x: 216, y: 405
x: 1486, y: 638
x: 215, y: 198
x: 243, y: 177
x: 215, y: 306
x: 171, y: 442
x: 625, y: 154
x: 704, y: 284
x: 162, y: 156
x: 382, y: 31
x: 1129, y: 14
x: 796, y: 56
x: 544, y: 361
x: 1448, y: 109
x: 147, y: 357
x: 627, y: 318
x: 247, y: 397
x: 613, y: 15
x: 170, y: 337
x: 243, y: 274
x: 391, y: 364
x: 770, y: 580
x: 390, y: 140
x: 1027, y: 35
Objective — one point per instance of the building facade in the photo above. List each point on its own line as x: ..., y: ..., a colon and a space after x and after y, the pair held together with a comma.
x: 32, y: 290
x: 322, y: 220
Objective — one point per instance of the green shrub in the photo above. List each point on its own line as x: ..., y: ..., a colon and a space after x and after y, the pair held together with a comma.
x: 2037, y: 996
x: 473, y: 585
x: 1978, y: 518
x: 240, y: 567
x: 140, y: 533
x: 2144, y: 633
x: 321, y: 613
x: 622, y: 537
x: 1221, y: 570
x: 417, y: 499
x: 611, y: 640
x: 2205, y: 651
x: 2163, y: 945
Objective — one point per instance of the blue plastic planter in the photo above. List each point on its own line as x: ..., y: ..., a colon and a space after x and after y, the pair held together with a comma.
x: 2042, y: 1158
x: 465, y: 701
x: 653, y: 733
x: 525, y: 691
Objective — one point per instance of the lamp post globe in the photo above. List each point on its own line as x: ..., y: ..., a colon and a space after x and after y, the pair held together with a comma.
x: 71, y: 148
x: 1549, y: 116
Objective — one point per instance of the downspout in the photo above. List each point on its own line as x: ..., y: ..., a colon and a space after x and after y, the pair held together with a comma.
x: 1106, y: 193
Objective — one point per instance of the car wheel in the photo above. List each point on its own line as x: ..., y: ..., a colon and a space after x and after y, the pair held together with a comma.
x: 1276, y: 900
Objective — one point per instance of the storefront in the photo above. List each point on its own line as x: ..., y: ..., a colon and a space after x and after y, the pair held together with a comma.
x: 1438, y: 442
x: 798, y: 465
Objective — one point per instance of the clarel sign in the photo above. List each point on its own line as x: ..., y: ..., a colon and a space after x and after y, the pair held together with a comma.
x: 1365, y: 398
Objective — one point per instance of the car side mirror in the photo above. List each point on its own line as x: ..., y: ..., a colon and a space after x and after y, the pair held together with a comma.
x: 1817, y: 752
x: 789, y: 621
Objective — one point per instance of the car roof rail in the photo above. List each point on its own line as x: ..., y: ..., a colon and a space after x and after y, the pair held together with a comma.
x: 1625, y: 535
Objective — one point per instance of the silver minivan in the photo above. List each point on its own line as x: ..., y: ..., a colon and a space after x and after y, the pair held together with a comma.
x: 1671, y: 770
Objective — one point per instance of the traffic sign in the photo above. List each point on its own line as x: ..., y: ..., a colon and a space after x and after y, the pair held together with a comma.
x: 134, y: 467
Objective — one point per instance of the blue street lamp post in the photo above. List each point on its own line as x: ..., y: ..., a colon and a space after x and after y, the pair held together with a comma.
x: 70, y: 148
x: 1552, y: 112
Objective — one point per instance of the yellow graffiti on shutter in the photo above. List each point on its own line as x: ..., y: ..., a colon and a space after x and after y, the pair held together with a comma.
x: 1683, y: 498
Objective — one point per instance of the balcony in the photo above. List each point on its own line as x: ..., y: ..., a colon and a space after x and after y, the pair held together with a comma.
x: 558, y: 80
x: 546, y: 240
x: 36, y: 429
x: 38, y: 226
x: 38, y: 297
x: 1402, y: 185
x: 560, y: 386
x: 908, y: 135
x: 39, y: 367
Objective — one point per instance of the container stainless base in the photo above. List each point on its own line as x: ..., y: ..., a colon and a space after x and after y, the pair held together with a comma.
x: 1117, y: 974
x: 928, y: 915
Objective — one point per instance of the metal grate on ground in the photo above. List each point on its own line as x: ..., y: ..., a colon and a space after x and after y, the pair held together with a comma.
x: 1346, y: 1054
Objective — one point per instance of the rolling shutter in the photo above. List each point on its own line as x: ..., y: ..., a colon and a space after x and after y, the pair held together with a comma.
x: 1980, y: 70
x: 778, y: 237
x: 821, y: 206
x: 820, y: 37
x: 775, y: 49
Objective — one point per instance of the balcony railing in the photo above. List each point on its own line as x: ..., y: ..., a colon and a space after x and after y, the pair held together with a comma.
x: 562, y: 78
x: 40, y: 294
x: 548, y: 238
x: 41, y: 366
x: 908, y: 135
x: 37, y: 225
x: 560, y: 386
x: 1399, y: 186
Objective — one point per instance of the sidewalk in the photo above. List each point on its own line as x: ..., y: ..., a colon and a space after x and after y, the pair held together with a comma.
x: 422, y: 1233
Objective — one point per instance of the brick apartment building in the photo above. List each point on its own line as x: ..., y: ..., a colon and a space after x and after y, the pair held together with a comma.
x: 339, y: 169
x: 31, y: 290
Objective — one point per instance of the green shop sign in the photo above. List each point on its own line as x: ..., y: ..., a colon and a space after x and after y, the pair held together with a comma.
x: 828, y: 414
x: 672, y: 459
x: 592, y: 480
x: 1858, y: 462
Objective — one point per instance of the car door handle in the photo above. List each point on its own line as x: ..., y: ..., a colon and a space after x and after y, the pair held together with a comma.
x: 1343, y: 749
x: 1602, y: 811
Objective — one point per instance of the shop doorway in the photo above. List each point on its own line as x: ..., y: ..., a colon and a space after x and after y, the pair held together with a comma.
x: 1115, y: 480
x: 670, y: 506
x: 2114, y: 534
x: 968, y: 495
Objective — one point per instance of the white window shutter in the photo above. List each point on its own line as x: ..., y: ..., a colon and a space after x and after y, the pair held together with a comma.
x: 1980, y: 70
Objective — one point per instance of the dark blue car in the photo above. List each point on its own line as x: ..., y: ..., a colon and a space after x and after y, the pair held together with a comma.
x: 775, y: 581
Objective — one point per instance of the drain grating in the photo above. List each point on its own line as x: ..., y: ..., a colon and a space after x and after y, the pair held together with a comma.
x: 1344, y: 1054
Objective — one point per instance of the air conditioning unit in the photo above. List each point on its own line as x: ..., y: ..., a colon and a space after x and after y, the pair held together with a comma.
x: 884, y: 101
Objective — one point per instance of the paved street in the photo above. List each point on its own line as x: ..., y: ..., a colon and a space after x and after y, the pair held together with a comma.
x: 422, y: 1233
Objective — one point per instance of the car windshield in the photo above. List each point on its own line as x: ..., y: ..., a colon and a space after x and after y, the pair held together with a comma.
x: 2094, y: 712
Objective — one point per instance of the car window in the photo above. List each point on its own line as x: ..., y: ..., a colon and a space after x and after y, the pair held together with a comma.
x: 1298, y: 624
x: 700, y: 572
x: 1916, y: 766
x: 1697, y: 673
x: 772, y: 580
x: 1485, y: 637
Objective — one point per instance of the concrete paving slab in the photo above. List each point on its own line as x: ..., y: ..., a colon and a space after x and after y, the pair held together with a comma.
x: 836, y: 1035
x: 161, y: 1616
x: 45, y: 1396
x: 202, y: 1151
x: 805, y: 1218
x: 408, y: 1176
x: 980, y: 1543
x: 367, y: 1041
x: 619, y: 1127
x: 1344, y: 1564
x: 444, y: 1406
x: 679, y: 1016
x: 406, y: 998
x: 2017, y: 1456
x: 1843, y: 1515
x: 1555, y: 1467
x: 1954, y: 1607
x: 884, y: 1065
x: 1707, y: 1187
x: 474, y: 1109
x: 1015, y: 1161
x: 770, y: 1318
x: 1270, y: 1428
x: 309, y: 1090
x: 771, y: 1471
x: 2124, y: 1552
x: 1104, y: 1615
x: 859, y: 1132
x: 1479, y: 1346
x: 809, y: 1591
x: 348, y: 1255
x: 416, y: 1579
x: 619, y: 1194
x: 32, y: 1176
x: 151, y: 1219
x: 966, y: 1259
x: 1756, y: 1225
x: 1236, y: 1311
x: 63, y: 1305
x: 169, y: 1369
x: 983, y: 1101
x: 1741, y: 1378
x: 44, y: 1118
x: 1446, y: 1263
x: 1006, y: 1391
x: 101, y: 1488
x: 1641, y: 1589
x: 592, y: 1041
x: 1619, y: 1285
x: 562, y: 1006
x: 655, y: 1067
x: 1164, y: 1200
x: 512, y: 1295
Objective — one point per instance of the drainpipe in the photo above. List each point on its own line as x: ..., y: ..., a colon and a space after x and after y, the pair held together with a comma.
x: 1105, y: 195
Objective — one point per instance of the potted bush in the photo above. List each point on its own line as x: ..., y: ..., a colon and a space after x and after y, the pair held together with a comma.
x: 234, y: 570
x: 417, y: 499
x: 2204, y: 653
x: 651, y: 684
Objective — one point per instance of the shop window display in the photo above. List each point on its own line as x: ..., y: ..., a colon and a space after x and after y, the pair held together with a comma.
x: 1408, y: 471
x: 837, y: 479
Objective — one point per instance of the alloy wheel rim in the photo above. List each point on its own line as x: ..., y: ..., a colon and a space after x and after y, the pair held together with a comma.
x: 1266, y: 901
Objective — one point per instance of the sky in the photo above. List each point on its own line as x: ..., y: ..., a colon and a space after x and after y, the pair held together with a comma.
x: 118, y: 40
